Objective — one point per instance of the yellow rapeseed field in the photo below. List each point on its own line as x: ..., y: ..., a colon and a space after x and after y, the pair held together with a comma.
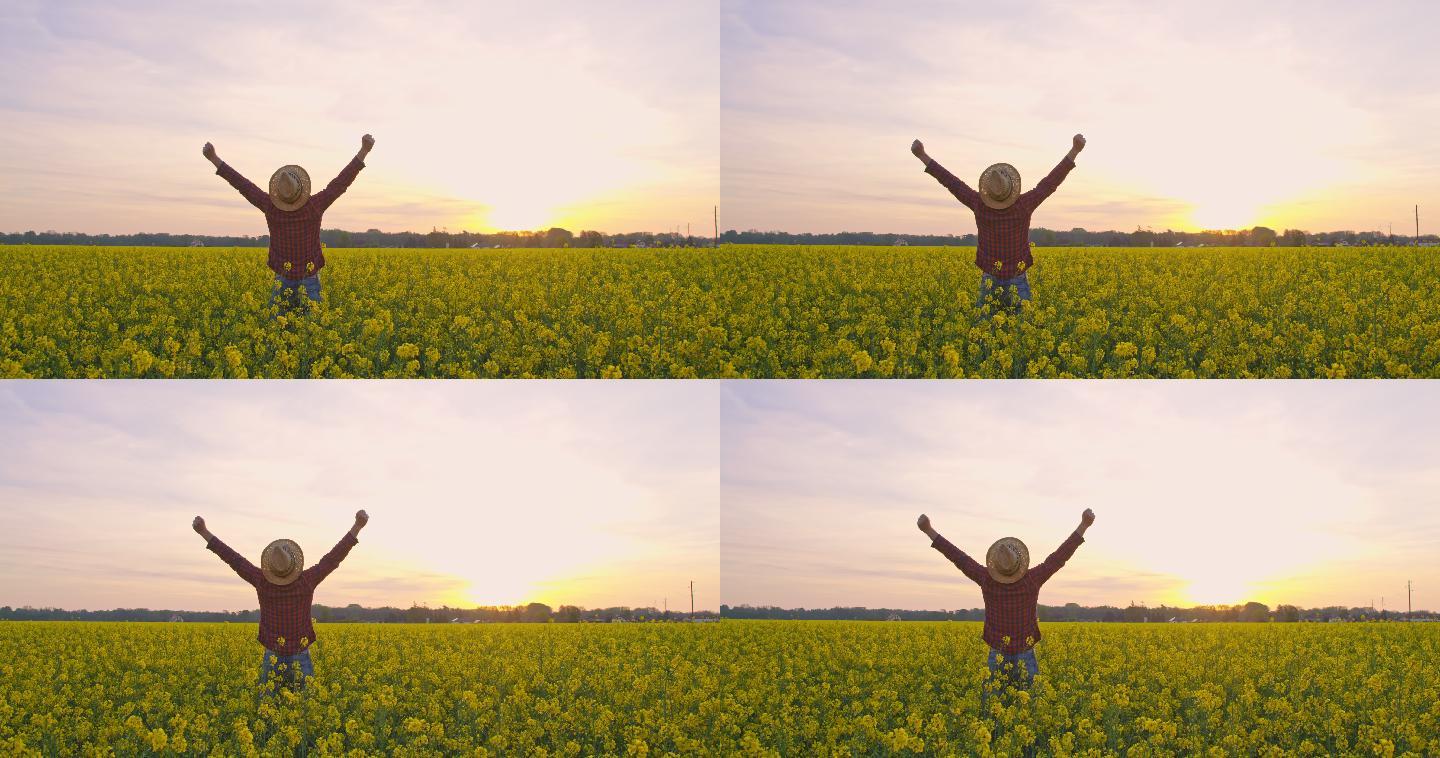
x: 757, y: 311
x: 736, y: 688
x: 1098, y: 312
x: 200, y: 312
x: 874, y: 688
x: 72, y: 688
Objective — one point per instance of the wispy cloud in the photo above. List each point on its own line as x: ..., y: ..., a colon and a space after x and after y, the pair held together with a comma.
x: 502, y: 111
x: 1310, y: 115
x: 562, y: 492
x: 1305, y: 493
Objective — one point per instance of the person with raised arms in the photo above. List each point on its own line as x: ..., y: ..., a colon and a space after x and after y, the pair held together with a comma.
x: 1011, y: 590
x: 293, y: 217
x: 286, y: 590
x: 1002, y: 219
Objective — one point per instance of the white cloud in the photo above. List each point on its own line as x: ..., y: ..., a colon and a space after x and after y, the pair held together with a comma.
x: 1206, y: 492
x: 593, y: 114
x: 1212, y: 115
x: 483, y: 492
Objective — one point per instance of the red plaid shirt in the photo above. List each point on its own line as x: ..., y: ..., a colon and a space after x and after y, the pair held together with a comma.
x: 285, y: 626
x: 294, y: 235
x: 1010, y: 608
x: 1004, y: 246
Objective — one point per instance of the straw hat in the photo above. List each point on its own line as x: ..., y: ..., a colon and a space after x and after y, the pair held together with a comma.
x: 282, y: 561
x: 999, y: 186
x: 289, y: 187
x: 1007, y: 560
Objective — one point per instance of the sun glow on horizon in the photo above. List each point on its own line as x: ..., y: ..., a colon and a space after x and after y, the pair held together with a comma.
x: 510, y: 216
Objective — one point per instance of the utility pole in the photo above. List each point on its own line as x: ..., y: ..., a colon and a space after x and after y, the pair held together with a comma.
x: 716, y: 210
x: 692, y: 600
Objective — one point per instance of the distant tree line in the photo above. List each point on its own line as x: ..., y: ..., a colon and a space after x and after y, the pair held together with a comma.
x: 554, y: 237
x: 1074, y: 612
x: 418, y: 614
x: 1259, y: 236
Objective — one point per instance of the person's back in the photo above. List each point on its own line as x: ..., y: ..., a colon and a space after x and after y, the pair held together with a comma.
x: 1002, y: 217
x: 1011, y: 590
x: 293, y: 217
x: 286, y: 591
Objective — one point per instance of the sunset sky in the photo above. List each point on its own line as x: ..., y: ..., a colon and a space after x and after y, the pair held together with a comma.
x: 1312, y: 115
x: 507, y: 114
x: 1306, y: 493
x: 479, y: 493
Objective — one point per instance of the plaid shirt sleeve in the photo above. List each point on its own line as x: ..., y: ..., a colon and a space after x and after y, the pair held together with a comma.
x: 317, y: 573
x: 244, y: 568
x: 1051, y: 564
x: 338, y: 185
x: 949, y: 181
x: 257, y: 197
x: 1049, y: 184
x: 967, y: 565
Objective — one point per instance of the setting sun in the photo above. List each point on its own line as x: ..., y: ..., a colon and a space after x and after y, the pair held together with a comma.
x: 1219, y: 588
x: 515, y: 216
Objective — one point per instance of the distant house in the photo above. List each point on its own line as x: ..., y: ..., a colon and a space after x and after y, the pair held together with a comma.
x: 176, y: 618
x: 197, y: 243
x: 900, y: 242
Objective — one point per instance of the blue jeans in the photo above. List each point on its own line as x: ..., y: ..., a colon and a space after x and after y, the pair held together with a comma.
x: 1000, y: 290
x: 1009, y: 670
x: 288, y: 670
x: 288, y: 292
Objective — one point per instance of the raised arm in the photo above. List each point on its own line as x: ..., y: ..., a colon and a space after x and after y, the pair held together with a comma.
x: 341, y: 182
x: 949, y: 181
x: 1052, y: 180
x: 967, y: 565
x: 257, y: 197
x: 1055, y: 560
x: 317, y: 573
x: 244, y: 568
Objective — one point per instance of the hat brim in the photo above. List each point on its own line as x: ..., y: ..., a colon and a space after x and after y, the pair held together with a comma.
x: 300, y: 200
x: 1024, y: 560
x: 294, y: 574
x: 1014, y: 177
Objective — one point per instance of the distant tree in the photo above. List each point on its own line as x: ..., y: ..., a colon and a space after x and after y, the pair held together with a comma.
x: 1287, y: 613
x: 568, y: 614
x: 590, y: 238
x: 557, y: 237
x: 1293, y: 238
x: 535, y: 612
x: 1262, y: 236
x: 1253, y: 611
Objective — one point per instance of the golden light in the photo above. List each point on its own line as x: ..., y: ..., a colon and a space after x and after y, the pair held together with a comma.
x: 1222, y: 588
x: 516, y: 216
x: 1223, y: 212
